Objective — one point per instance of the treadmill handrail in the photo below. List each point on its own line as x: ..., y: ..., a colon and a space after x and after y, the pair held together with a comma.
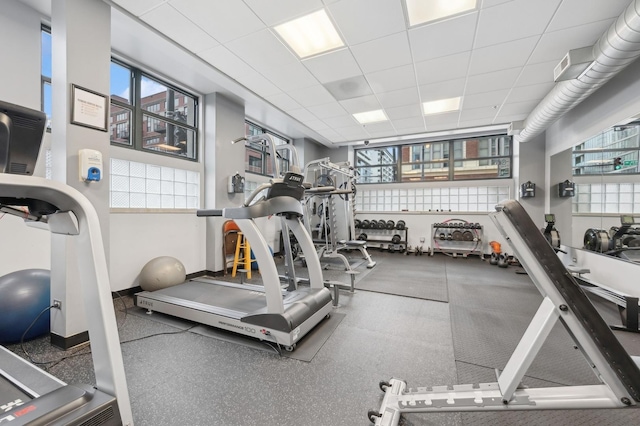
x: 272, y: 206
x: 94, y: 276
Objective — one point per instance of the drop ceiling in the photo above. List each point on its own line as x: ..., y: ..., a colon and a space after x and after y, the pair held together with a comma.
x: 498, y: 58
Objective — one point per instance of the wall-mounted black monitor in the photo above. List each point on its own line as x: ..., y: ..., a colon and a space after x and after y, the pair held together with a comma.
x: 21, y: 131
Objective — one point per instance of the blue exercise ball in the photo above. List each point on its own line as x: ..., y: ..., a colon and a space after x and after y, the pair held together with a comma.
x: 23, y: 295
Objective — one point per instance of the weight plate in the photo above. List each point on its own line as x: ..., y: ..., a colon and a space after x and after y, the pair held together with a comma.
x: 467, y: 236
x: 456, y: 235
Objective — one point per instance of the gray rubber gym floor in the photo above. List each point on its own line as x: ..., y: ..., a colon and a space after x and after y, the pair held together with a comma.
x: 179, y: 376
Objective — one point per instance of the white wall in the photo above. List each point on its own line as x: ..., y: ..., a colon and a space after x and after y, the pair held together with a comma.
x: 22, y: 247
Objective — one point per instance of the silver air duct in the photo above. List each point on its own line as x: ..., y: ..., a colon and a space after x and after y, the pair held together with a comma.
x: 617, y: 48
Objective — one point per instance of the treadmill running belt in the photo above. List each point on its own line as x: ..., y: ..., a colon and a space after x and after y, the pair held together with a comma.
x: 9, y: 394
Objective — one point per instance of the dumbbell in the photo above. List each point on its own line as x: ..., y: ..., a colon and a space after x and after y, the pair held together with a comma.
x: 390, y: 224
x: 396, y: 239
x: 357, y: 223
x: 400, y: 225
x: 366, y: 224
x: 362, y: 237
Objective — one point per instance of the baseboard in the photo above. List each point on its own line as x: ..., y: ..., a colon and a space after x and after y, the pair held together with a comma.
x: 66, y: 343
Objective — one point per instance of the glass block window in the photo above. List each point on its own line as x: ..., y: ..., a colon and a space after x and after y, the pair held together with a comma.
x: 45, y: 72
x: 137, y: 185
x: 458, y: 199
x: 614, y: 198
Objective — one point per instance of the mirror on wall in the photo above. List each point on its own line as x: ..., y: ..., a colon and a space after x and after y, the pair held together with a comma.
x: 605, y: 171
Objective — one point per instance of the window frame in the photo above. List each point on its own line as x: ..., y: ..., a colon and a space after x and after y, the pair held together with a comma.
x: 137, y: 112
x: 261, y: 151
x: 449, y: 161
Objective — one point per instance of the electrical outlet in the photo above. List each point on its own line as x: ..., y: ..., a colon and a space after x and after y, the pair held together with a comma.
x: 57, y: 304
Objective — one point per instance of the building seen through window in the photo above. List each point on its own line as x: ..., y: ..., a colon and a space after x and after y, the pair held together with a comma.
x: 473, y: 158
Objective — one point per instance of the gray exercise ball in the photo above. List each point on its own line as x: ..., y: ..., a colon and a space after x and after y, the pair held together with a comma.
x: 162, y: 272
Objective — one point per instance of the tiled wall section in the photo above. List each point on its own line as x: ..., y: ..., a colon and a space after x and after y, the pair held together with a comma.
x: 607, y: 198
x: 459, y: 199
x: 139, y: 185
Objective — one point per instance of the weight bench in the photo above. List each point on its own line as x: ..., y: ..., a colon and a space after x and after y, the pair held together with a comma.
x: 565, y: 300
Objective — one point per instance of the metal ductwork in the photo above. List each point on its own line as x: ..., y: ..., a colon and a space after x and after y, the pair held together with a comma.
x: 618, y: 47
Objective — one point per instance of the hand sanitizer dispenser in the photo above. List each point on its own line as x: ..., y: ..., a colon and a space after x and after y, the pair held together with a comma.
x: 90, y: 165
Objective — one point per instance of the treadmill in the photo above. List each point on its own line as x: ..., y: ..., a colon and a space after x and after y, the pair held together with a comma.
x: 29, y: 395
x: 265, y: 312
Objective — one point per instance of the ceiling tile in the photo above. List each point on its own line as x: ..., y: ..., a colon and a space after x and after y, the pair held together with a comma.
x: 394, y: 49
x: 341, y: 121
x: 273, y: 60
x: 502, y: 79
x: 529, y: 93
x: 398, y: 98
x: 553, y: 46
x: 283, y: 101
x: 509, y: 118
x: 381, y: 129
x: 392, y: 79
x: 441, y: 69
x: 490, y: 3
x: 309, y: 96
x: 448, y: 119
x: 365, y: 20
x: 475, y: 123
x: 328, y: 110
x: 332, y: 66
x: 352, y: 87
x: 221, y: 58
x: 407, y: 111
x: 443, y: 90
x: 275, y: 12
x: 495, y: 98
x: 514, y: 20
x: 138, y: 7
x: 443, y: 38
x: 363, y: 104
x: 172, y: 23
x: 409, y: 123
x: 537, y: 73
x: 573, y: 13
x: 221, y: 22
x: 330, y: 134
x: 316, y: 125
x: 302, y: 114
x: 477, y: 113
x: 518, y: 107
x: 254, y: 81
x: 353, y: 132
x: 502, y: 56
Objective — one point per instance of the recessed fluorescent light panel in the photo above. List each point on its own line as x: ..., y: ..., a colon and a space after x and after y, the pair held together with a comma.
x: 420, y: 11
x: 441, y: 105
x: 310, y: 35
x: 370, y: 116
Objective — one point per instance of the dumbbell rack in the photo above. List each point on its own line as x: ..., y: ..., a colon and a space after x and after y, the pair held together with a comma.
x: 457, y: 237
x: 387, y: 237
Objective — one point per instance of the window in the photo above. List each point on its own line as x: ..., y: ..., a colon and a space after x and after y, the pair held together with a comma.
x: 615, y: 151
x: 149, y: 186
x: 45, y: 79
x: 151, y: 115
x: 257, y: 158
x: 473, y: 158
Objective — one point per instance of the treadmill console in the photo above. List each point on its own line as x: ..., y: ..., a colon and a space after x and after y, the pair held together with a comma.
x: 550, y: 218
x: 291, y: 186
x: 627, y: 220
